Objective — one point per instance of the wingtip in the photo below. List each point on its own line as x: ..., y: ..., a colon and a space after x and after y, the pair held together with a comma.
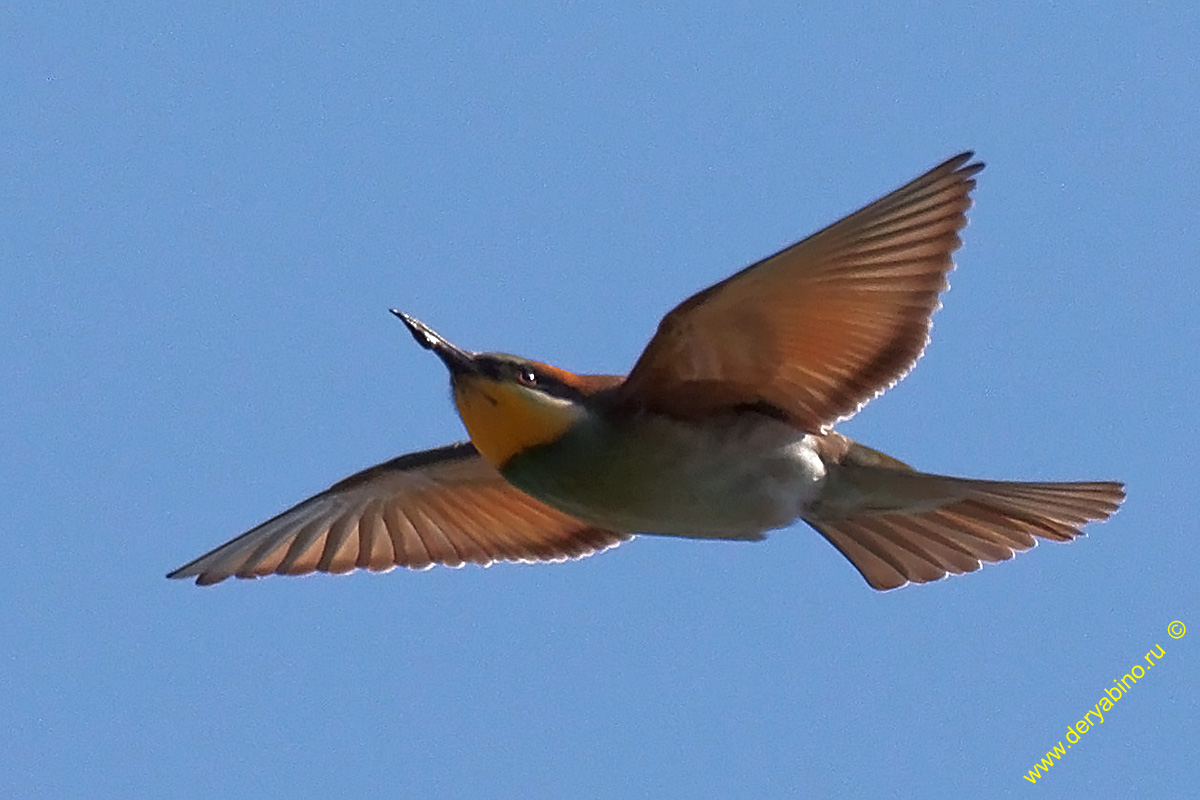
x: 963, y: 163
x: 201, y: 578
x: 182, y: 574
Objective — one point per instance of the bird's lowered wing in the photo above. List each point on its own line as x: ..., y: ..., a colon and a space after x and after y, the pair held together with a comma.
x: 442, y: 506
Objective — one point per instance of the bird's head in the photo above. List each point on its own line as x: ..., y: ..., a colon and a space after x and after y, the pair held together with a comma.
x: 509, y: 404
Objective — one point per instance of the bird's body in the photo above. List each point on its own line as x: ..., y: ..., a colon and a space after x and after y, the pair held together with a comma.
x: 734, y: 477
x: 722, y: 430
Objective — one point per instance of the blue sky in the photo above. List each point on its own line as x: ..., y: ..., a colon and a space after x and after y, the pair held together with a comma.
x: 206, y: 213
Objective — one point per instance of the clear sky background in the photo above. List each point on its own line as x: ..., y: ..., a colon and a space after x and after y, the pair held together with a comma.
x: 206, y: 212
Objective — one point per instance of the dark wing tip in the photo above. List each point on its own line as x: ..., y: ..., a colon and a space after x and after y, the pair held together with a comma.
x: 203, y: 577
x: 955, y: 163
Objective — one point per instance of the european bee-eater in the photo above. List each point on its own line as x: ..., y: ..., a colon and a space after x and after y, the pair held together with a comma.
x: 722, y: 430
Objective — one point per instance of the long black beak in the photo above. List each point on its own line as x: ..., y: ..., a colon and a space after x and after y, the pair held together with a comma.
x: 455, y: 358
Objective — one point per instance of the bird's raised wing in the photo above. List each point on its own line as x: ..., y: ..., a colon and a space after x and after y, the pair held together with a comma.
x: 820, y: 328
x: 443, y: 506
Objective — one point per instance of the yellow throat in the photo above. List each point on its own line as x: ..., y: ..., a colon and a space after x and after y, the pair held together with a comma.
x: 505, y: 418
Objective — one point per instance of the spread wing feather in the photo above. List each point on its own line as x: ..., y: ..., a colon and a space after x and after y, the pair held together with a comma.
x: 444, y: 506
x: 821, y: 327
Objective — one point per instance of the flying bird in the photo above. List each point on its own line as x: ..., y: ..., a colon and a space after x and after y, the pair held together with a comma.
x: 722, y: 430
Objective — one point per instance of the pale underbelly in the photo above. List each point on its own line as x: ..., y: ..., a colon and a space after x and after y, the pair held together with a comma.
x: 734, y: 478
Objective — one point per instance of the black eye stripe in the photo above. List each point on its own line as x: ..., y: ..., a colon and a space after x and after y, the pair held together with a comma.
x: 507, y: 368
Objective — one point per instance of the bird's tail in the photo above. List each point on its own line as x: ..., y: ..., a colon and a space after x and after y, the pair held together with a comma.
x: 897, y: 525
